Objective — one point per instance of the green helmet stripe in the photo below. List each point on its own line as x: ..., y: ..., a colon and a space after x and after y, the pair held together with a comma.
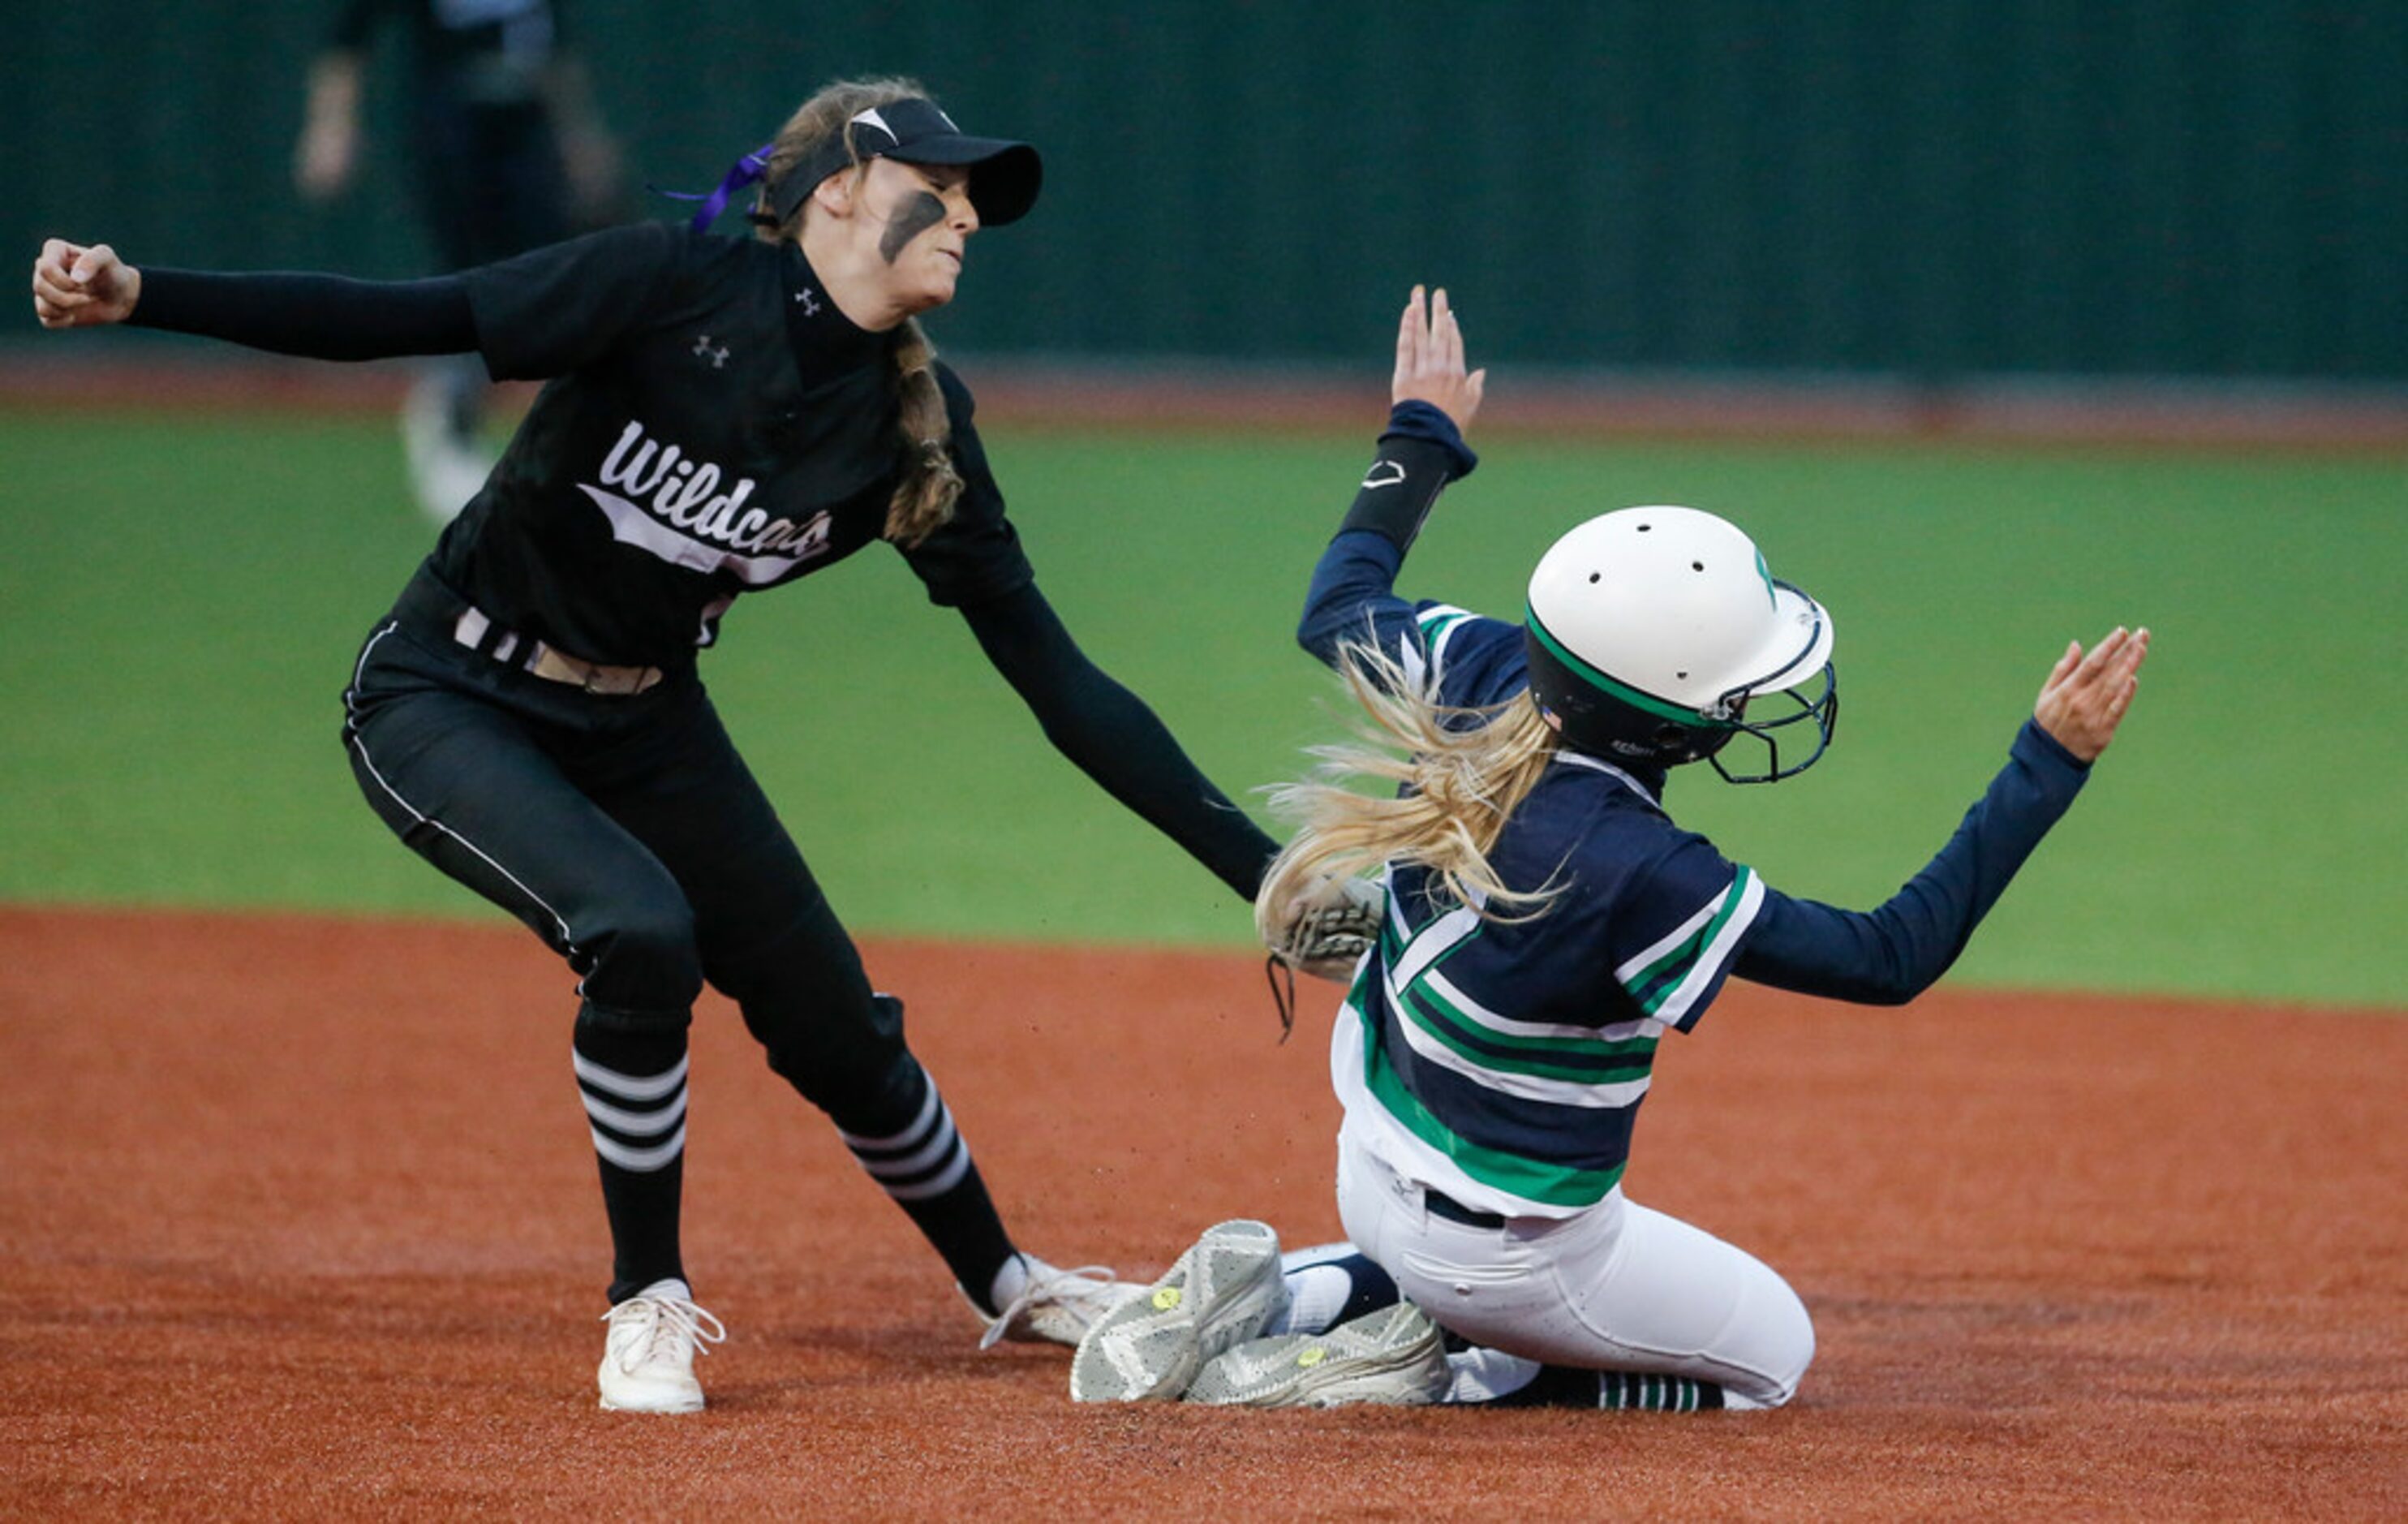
x: 1609, y: 686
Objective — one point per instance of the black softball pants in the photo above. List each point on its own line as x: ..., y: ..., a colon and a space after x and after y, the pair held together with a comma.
x: 628, y: 834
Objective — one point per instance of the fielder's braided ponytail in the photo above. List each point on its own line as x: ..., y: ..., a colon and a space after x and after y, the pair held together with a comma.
x: 924, y: 499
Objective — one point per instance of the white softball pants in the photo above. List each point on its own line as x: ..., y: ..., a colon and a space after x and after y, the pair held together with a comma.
x: 1617, y: 1288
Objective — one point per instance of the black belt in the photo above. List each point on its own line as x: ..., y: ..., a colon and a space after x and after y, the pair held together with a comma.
x: 1439, y: 1204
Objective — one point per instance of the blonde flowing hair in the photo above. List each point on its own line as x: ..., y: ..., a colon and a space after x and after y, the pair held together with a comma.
x: 1461, y: 774
x: 924, y: 499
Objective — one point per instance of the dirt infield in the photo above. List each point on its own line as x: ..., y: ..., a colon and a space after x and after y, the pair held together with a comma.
x: 298, y: 1220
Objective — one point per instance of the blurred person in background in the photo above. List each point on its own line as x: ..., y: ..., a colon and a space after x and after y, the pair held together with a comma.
x: 508, y: 152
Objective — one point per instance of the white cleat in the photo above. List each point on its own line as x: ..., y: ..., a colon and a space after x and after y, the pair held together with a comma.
x: 1056, y: 1306
x: 648, y: 1356
x: 1223, y: 1290
x: 1393, y: 1356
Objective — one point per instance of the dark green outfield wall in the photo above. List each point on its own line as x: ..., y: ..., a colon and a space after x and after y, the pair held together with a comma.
x: 1918, y: 186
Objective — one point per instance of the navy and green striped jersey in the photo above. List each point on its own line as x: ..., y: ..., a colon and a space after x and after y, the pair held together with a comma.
x: 1503, y: 1060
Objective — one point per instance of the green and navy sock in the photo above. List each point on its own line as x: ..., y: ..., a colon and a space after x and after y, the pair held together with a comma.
x: 1488, y: 1377
x: 1649, y: 1393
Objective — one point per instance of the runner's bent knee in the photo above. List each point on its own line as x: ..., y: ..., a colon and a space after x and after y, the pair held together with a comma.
x: 1781, y: 1344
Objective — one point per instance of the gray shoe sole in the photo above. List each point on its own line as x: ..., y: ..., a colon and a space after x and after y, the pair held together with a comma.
x: 1223, y: 1291
x: 1393, y: 1357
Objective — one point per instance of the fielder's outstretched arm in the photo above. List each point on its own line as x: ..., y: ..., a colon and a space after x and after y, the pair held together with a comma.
x: 322, y: 317
x: 1115, y: 739
x: 614, y: 276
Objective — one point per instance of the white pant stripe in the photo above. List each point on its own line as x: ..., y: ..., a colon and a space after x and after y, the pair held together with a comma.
x: 360, y: 744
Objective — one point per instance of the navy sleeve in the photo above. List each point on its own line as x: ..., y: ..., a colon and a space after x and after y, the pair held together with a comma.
x: 322, y: 317
x: 1114, y: 739
x: 553, y: 310
x: 1350, y: 597
x: 1891, y: 954
x: 976, y: 557
x: 1469, y: 661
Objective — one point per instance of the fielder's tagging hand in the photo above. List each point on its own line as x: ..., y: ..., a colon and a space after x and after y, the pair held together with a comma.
x: 1329, y: 929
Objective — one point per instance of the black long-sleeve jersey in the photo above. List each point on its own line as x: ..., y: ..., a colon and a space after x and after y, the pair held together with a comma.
x: 710, y: 425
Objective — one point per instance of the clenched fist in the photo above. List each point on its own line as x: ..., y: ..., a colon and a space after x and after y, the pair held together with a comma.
x: 77, y: 286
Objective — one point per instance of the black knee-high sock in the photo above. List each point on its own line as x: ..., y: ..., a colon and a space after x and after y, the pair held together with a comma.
x: 918, y: 1158
x: 633, y: 1082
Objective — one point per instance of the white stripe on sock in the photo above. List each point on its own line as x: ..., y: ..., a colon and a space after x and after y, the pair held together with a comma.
x: 628, y: 1087
x: 857, y: 1142
x: 639, y: 1160
x: 919, y: 1159
x: 642, y: 1124
x: 937, y: 1186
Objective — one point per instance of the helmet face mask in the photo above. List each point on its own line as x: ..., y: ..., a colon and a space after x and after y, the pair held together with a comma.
x: 1815, y: 701
x: 1651, y: 632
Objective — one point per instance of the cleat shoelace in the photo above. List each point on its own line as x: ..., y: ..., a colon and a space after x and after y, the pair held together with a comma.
x: 1067, y: 1288
x: 669, y: 1320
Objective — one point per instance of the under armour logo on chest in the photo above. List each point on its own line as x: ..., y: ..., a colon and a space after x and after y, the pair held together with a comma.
x: 811, y: 301
x: 716, y: 354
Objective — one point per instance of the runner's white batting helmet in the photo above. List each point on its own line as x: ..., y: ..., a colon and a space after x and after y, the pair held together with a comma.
x: 1652, y: 631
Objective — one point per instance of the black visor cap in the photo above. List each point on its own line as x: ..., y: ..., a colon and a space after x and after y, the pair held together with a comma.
x: 1005, y: 175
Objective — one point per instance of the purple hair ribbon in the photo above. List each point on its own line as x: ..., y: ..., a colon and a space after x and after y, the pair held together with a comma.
x: 744, y: 172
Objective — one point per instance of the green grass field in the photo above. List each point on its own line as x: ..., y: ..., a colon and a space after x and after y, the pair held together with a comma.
x: 180, y: 600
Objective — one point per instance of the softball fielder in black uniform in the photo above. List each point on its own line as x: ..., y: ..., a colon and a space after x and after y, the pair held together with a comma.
x: 723, y: 416
x: 1547, y: 925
